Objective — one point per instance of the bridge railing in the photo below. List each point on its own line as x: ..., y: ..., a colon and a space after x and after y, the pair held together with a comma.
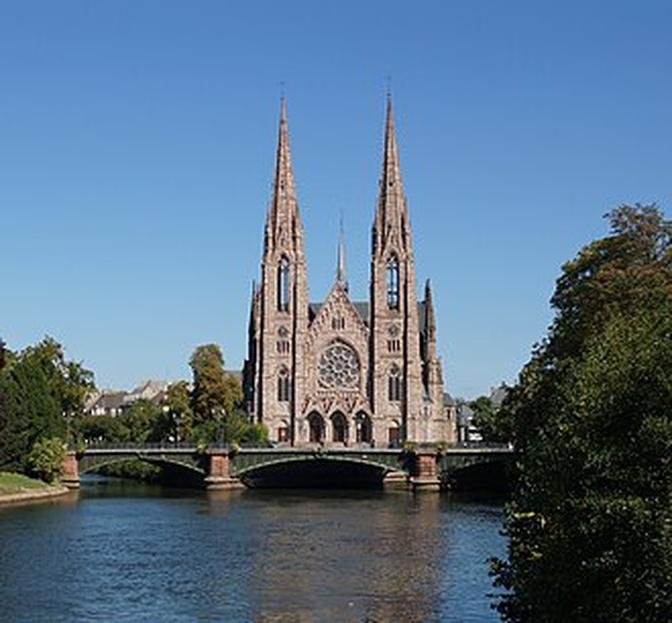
x: 130, y: 445
x: 481, y: 444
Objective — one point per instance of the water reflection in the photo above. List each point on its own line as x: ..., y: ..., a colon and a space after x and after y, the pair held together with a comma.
x: 129, y: 553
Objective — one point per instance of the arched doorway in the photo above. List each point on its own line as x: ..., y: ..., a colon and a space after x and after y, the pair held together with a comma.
x: 282, y: 433
x: 394, y: 435
x: 315, y: 428
x: 364, y: 428
x: 339, y: 426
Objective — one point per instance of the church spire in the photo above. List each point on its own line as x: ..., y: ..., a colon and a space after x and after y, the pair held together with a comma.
x: 391, y: 219
x: 341, y: 276
x: 283, y: 212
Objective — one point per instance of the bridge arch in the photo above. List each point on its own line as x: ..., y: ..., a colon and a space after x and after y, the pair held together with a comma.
x: 176, y: 470
x: 318, y: 472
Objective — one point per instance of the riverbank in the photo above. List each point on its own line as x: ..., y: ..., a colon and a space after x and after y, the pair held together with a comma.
x: 19, y: 488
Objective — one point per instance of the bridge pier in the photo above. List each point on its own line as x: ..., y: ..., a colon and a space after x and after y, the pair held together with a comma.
x: 218, y: 475
x: 397, y: 479
x: 70, y: 471
x: 425, y: 474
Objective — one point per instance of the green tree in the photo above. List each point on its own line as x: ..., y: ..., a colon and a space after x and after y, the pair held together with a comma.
x: 215, y: 394
x: 32, y: 412
x: 492, y: 424
x: 178, y: 403
x: 234, y: 429
x: 5, y: 415
x: 590, y: 523
x: 103, y: 428
x: 68, y: 381
x: 141, y: 421
x: 45, y: 460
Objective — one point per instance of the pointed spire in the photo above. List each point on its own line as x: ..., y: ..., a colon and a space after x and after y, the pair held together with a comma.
x: 429, y: 307
x: 391, y: 172
x: 391, y: 215
x: 254, y: 309
x: 341, y: 276
x: 283, y: 208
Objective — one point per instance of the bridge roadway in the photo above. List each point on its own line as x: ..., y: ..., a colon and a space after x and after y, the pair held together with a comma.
x: 222, y: 467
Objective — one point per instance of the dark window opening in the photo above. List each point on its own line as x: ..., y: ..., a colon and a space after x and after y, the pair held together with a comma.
x: 283, y: 386
x: 393, y: 284
x: 283, y: 285
x: 340, y: 428
x: 394, y: 385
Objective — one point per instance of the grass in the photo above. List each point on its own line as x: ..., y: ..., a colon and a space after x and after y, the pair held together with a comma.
x: 18, y: 483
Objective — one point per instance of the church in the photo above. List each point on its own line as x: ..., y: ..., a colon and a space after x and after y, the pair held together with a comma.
x: 342, y: 372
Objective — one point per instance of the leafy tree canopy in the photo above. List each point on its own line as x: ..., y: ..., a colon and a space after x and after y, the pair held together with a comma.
x: 492, y: 425
x: 590, y: 524
x: 30, y: 412
x: 179, y: 411
x: 215, y: 393
x: 69, y: 382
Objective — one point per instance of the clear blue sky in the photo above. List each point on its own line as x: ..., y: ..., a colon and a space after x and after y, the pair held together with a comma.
x: 136, y: 155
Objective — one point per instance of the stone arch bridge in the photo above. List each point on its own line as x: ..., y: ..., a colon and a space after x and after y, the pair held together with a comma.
x: 423, y: 468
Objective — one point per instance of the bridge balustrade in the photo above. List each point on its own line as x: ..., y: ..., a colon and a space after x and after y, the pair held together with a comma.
x: 222, y: 466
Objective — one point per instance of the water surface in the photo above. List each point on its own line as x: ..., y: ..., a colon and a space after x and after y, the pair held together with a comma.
x: 127, y: 552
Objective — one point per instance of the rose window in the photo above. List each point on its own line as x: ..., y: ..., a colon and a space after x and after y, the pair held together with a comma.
x: 338, y: 366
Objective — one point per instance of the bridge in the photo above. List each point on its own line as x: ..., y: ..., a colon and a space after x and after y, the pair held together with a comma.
x: 221, y: 467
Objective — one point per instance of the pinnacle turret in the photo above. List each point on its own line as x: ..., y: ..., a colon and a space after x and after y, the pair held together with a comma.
x: 341, y: 274
x: 429, y: 307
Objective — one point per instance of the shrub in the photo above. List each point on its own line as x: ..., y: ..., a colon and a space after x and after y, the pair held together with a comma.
x: 46, y: 458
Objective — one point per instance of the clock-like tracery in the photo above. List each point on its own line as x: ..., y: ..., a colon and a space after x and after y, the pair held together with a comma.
x: 338, y: 367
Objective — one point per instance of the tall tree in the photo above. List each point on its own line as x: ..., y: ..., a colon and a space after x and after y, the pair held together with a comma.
x: 69, y: 382
x: 215, y: 393
x: 488, y: 421
x: 590, y: 524
x: 142, y: 420
x: 178, y: 404
x: 34, y: 413
x: 5, y: 422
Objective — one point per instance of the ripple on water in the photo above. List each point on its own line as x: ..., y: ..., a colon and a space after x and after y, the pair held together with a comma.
x: 129, y: 553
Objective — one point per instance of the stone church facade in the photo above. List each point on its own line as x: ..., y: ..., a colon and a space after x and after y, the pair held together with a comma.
x: 344, y: 372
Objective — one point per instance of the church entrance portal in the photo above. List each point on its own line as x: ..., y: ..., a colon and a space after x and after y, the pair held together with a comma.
x: 316, y: 425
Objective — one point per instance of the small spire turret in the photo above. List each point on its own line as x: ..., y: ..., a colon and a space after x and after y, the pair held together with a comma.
x: 341, y: 275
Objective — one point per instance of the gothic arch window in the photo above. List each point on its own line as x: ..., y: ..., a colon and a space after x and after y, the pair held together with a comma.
x: 283, y: 284
x: 284, y: 385
x: 392, y: 272
x: 363, y: 428
x: 394, y: 384
x: 339, y: 427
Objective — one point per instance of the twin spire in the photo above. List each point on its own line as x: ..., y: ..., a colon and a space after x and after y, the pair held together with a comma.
x: 391, y: 229
x: 283, y: 224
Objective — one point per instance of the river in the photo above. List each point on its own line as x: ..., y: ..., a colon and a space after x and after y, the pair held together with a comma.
x: 119, y: 551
